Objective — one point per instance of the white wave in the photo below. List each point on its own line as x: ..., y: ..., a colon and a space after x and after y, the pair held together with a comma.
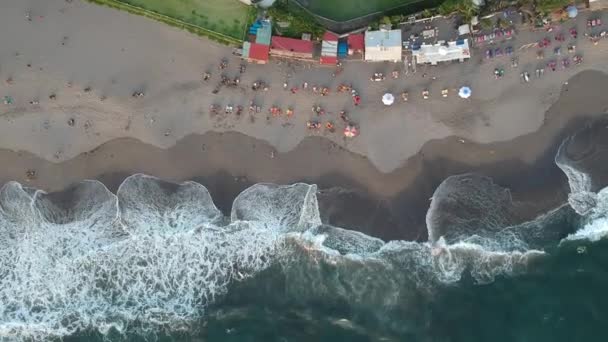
x: 146, y: 203
x: 284, y: 208
x: 592, y: 231
x: 581, y: 197
x: 442, y: 263
x: 89, y: 259
x: 593, y: 207
x: 347, y: 241
x: 595, y: 227
x: 155, y: 255
x: 468, y: 204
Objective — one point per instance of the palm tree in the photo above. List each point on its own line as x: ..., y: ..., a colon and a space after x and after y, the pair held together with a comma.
x: 528, y: 8
x: 467, y: 9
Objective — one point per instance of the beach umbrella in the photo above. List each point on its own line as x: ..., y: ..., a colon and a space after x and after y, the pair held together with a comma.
x: 464, y: 92
x: 572, y: 11
x: 388, y: 99
x: 350, y: 131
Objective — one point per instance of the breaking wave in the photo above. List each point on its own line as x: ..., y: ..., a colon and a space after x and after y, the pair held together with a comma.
x: 154, y: 256
x: 582, y: 158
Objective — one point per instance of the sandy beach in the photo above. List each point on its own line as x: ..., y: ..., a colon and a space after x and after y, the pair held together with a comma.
x: 508, y: 130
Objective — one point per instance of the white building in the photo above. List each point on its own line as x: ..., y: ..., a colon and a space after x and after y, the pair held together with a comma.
x: 442, y: 52
x: 383, y: 45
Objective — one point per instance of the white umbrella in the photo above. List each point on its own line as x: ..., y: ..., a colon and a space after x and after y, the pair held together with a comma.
x: 388, y: 99
x: 464, y: 92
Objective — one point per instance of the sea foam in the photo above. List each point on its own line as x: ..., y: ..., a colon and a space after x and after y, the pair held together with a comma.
x: 154, y: 256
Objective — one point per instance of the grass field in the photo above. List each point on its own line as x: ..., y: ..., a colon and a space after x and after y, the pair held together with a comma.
x: 225, y: 16
x: 341, y: 10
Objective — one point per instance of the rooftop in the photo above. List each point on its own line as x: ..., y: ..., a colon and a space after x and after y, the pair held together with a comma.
x: 356, y: 41
x: 256, y: 51
x: 328, y: 36
x: 291, y: 44
x: 264, y: 33
x: 329, y: 48
x: 435, y: 53
x: 383, y: 38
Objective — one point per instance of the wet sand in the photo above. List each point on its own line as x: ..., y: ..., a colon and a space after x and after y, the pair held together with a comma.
x: 354, y: 193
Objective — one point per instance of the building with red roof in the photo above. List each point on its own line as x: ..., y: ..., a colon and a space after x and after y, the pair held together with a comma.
x: 290, y: 47
x: 256, y: 53
x: 356, y: 43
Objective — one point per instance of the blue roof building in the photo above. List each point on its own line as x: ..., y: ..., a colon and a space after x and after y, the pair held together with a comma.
x: 264, y: 33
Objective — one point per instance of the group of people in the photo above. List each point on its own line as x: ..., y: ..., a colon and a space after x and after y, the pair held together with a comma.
x: 319, y: 122
x: 276, y: 111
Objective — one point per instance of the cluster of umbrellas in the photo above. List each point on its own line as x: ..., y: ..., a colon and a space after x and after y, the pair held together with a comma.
x: 464, y: 92
x: 351, y: 131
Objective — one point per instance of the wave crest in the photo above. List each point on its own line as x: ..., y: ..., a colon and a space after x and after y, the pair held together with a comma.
x: 156, y: 254
x: 86, y: 258
x: 149, y: 205
x: 292, y: 208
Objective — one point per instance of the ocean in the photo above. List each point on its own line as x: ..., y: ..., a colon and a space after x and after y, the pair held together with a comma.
x: 158, y: 261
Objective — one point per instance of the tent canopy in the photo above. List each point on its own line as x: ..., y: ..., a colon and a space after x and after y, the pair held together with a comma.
x: 463, y: 29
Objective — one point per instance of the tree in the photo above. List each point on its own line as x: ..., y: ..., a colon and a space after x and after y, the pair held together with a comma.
x: 299, y: 21
x: 396, y: 19
x: 465, y: 8
x: 550, y: 5
x: 486, y: 23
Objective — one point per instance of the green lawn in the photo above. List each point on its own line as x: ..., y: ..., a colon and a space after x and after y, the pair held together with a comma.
x: 225, y: 16
x: 342, y: 10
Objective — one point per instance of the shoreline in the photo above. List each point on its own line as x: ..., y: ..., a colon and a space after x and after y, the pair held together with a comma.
x: 227, y: 163
x: 392, y: 208
x: 508, y: 130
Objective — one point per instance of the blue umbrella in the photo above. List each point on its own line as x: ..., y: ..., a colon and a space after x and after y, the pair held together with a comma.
x: 464, y: 92
x: 572, y: 11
